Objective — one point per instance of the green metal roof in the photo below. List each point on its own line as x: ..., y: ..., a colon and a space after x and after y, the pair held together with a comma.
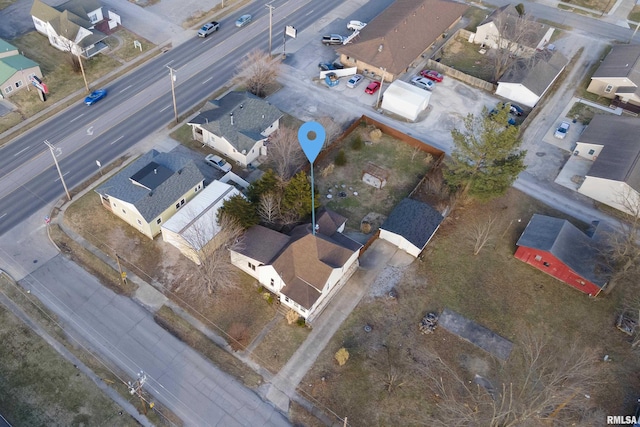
x: 9, y: 66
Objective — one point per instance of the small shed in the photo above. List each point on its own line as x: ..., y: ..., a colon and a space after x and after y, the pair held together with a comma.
x: 375, y: 175
x: 405, y: 100
x: 411, y: 225
x: 558, y: 248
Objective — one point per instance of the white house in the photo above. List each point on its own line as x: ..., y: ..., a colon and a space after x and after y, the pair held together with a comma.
x: 304, y: 270
x: 405, y: 100
x: 237, y: 126
x: 612, y: 142
x: 527, y: 80
x: 411, y: 225
x: 196, y: 225
x: 70, y: 26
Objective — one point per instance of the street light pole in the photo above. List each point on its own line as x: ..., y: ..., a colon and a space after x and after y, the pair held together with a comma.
x: 271, y: 7
x: 173, y: 91
x: 48, y: 144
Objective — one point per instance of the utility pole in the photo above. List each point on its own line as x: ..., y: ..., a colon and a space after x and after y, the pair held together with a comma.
x: 51, y: 147
x: 136, y: 388
x: 123, y: 274
x: 271, y: 7
x: 83, y: 75
x: 173, y: 91
x: 384, y: 73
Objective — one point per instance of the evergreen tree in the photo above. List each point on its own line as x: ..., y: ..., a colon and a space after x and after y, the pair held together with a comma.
x: 297, y: 196
x: 241, y: 210
x: 487, y: 158
x: 268, y: 183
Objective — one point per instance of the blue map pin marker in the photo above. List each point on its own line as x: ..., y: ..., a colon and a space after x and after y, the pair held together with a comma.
x: 311, y: 137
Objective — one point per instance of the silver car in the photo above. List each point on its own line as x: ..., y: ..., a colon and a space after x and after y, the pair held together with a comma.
x: 217, y: 162
x: 243, y: 20
x: 422, y: 83
x: 562, y: 130
x: 355, y: 80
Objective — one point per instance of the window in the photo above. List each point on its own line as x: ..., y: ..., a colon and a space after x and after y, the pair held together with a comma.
x: 252, y: 266
x: 180, y: 204
x: 546, y: 264
x: 139, y: 222
x: 591, y: 152
x: 8, y: 89
x: 286, y: 299
x: 273, y: 283
x: 124, y: 212
x: 538, y: 258
x: 608, y: 89
x: 159, y: 220
x: 93, y: 18
x: 19, y: 83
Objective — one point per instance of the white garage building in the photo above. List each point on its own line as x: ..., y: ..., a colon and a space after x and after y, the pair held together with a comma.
x: 405, y: 100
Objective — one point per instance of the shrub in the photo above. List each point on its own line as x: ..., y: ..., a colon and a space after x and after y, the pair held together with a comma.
x: 342, y: 356
x: 301, y: 321
x: 375, y: 134
x: 328, y: 170
x: 341, y: 158
x: 239, y: 333
x: 365, y: 227
x: 292, y: 317
x: 357, y: 142
x: 268, y: 297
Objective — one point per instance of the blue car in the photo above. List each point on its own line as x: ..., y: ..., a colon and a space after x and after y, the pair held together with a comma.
x: 95, y: 96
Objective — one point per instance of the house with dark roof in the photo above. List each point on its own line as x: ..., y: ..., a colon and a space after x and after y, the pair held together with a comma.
x: 304, y: 270
x: 151, y: 190
x: 506, y: 29
x: 397, y: 38
x: 527, y: 80
x: 237, y: 126
x: 612, y: 143
x: 70, y: 27
x: 618, y: 77
x: 411, y: 225
x: 15, y: 70
x: 558, y: 248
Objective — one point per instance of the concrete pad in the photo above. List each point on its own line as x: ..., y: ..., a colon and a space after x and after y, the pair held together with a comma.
x: 575, y: 166
x: 476, y: 334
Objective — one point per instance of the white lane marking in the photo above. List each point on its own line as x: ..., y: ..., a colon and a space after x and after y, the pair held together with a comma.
x: 126, y: 88
x: 3, y: 215
x: 117, y: 139
x: 21, y: 151
x: 168, y: 106
x: 63, y: 175
x: 73, y: 120
x: 207, y: 80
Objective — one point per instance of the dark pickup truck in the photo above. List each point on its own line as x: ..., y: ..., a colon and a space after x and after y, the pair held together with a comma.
x: 332, y: 39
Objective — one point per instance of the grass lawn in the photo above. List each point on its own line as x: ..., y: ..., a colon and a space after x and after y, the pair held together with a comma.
x: 465, y: 56
x: 584, y: 113
x: 40, y: 387
x: 279, y: 344
x: 404, y: 165
x: 385, y: 381
x: 634, y: 15
x: 595, y: 5
x: 6, y: 3
x: 127, y: 52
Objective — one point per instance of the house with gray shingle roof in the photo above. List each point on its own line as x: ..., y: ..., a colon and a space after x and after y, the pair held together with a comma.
x: 504, y: 27
x: 304, y: 270
x: 411, y: 225
x: 15, y: 70
x: 618, y: 76
x: 237, y: 126
x: 612, y: 143
x: 150, y: 190
x: 396, y: 38
x: 558, y: 248
x: 527, y: 80
x: 70, y: 26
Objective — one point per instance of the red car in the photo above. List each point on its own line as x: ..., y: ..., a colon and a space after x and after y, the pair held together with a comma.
x: 432, y: 75
x: 372, y: 88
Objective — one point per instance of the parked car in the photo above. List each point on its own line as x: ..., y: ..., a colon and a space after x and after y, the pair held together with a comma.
x: 432, y: 75
x: 422, y: 83
x: 326, y: 66
x: 243, y: 20
x: 95, y: 96
x: 515, y: 109
x: 355, y: 80
x: 356, y: 25
x: 208, y: 28
x: 562, y: 130
x: 332, y: 39
x: 217, y: 162
x: 337, y: 65
x: 373, y: 87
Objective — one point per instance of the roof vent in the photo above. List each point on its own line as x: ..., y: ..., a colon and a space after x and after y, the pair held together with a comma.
x: 244, y: 151
x: 155, y: 171
x: 241, y: 106
x: 231, y: 115
x: 380, y: 48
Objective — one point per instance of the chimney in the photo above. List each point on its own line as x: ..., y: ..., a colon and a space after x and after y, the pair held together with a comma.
x: 155, y: 171
x: 231, y: 115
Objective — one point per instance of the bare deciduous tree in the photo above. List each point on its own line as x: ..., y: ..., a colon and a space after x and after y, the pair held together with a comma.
x: 284, y: 152
x: 481, y: 232
x: 257, y: 72
x: 541, y: 384
x: 215, y: 270
x: 332, y: 128
x: 512, y: 41
x: 269, y: 207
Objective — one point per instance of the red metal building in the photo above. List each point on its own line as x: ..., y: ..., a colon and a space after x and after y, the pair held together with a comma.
x: 558, y: 248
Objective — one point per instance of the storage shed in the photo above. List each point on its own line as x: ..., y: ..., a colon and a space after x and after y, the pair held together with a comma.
x: 405, y: 100
x: 375, y: 176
